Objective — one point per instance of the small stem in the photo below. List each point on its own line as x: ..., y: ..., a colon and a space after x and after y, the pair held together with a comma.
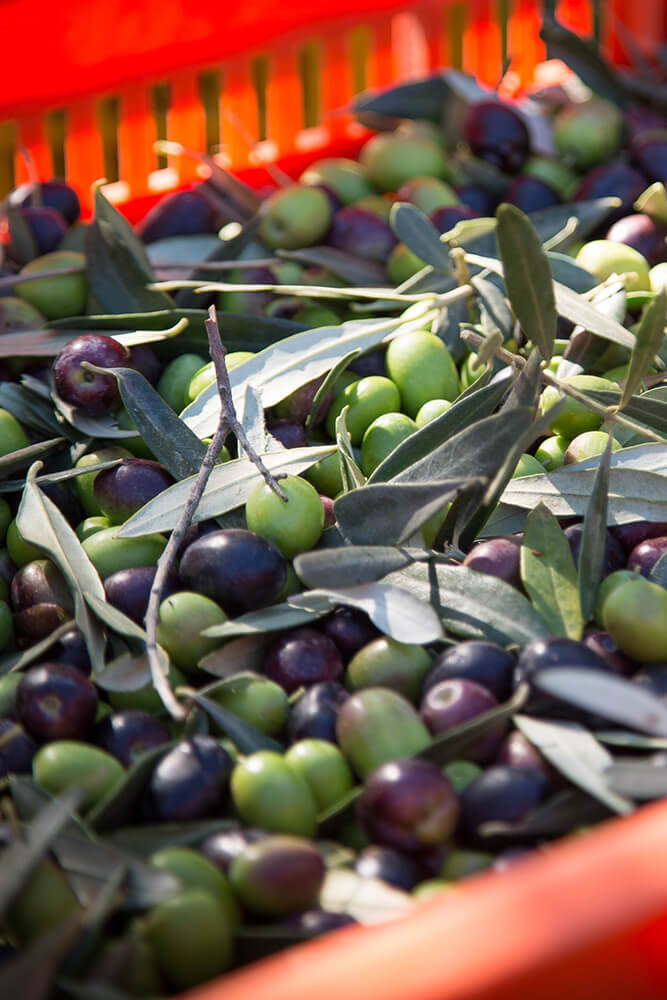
x: 217, y: 265
x: 232, y: 422
x: 9, y: 280
x: 455, y: 295
x: 606, y: 412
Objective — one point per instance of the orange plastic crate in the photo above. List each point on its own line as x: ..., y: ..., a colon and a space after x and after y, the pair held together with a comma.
x: 88, y: 87
x: 86, y: 90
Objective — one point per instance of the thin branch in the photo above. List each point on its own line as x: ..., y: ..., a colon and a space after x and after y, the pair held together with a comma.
x: 606, y: 412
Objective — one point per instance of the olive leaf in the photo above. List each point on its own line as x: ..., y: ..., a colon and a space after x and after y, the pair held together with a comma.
x: 141, y: 841
x: 494, y: 312
x: 457, y: 742
x: 23, y: 457
x: 650, y: 337
x: 13, y: 661
x: 287, y: 365
x: 528, y: 278
x: 22, y: 242
x: 40, y: 522
x: 30, y: 973
x: 421, y: 99
x: 557, y: 817
x: 640, y: 780
x: 120, y: 803
x: 419, y: 235
x: 549, y: 575
x: 577, y: 755
x: 114, y: 619
x: 390, y: 513
x: 467, y: 410
x: 323, y: 395
x: 30, y: 410
x: 594, y: 537
x: 247, y: 738
x: 396, y: 612
x: 605, y: 694
x: 353, y: 564
x: 170, y: 440
x: 32, y: 343
x: 659, y: 572
x: 351, y: 475
x: 272, y: 619
x: 472, y: 605
x: 350, y: 268
x: 227, y: 488
x: 583, y: 56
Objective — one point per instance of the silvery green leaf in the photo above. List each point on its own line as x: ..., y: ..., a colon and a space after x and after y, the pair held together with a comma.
x: 419, y: 235
x: 228, y: 486
x: 548, y: 574
x: 30, y: 410
x: 98, y: 427
x: 659, y: 572
x: 594, y: 537
x: 528, y: 277
x: 354, y: 270
x: 633, y: 741
x: 127, y: 672
x: 114, y: 618
x: 285, y: 366
x: 471, y: 604
x: 351, y: 475
x: 640, y: 780
x: 653, y: 202
x: 187, y: 250
x: 650, y: 337
x: 573, y: 307
x: 467, y: 410
x: 586, y: 215
x: 390, y: 513
x: 272, y: 619
x: 251, y: 416
x: 16, y: 485
x: 322, y: 397
x: 246, y: 652
x: 10, y: 662
x: 605, y: 694
x: 40, y: 522
x: 368, y: 900
x: 353, y: 564
x: 15, y: 460
x: 567, y: 272
x: 166, y: 435
x: 577, y: 755
x: 395, y: 611
x: 247, y: 738
x: 495, y: 314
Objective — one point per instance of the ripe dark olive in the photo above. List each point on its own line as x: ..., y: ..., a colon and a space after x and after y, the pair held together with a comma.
x: 408, y: 804
x: 498, y: 557
x: 94, y: 393
x: 65, y: 499
x: 614, y: 180
x: 614, y: 554
x: 39, y: 582
x: 650, y: 153
x: 531, y: 194
x: 314, y: 714
x: 634, y: 532
x: 54, y: 193
x: 486, y: 663
x: 144, y: 360
x: 645, y: 555
x: 222, y: 847
x: 71, y: 648
x: 123, y: 489
x: 277, y: 876
x: 496, y: 133
x: 452, y: 702
x: 56, y: 702
x: 290, y: 433
x: 499, y: 794
x: 358, y: 231
x: 370, y: 363
x: 641, y: 233
x: 603, y: 644
x: 129, y: 732
x: 301, y: 657
x: 475, y: 197
x: 36, y: 622
x: 47, y: 227
x: 517, y: 751
x: 184, y: 213
x: 555, y: 652
x: 129, y: 590
x: 390, y: 865
x: 17, y: 748
x: 237, y: 569
x: 191, y: 781
x: 445, y: 218
x: 350, y: 629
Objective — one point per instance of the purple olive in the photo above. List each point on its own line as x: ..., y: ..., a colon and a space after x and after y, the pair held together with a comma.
x: 408, y: 804
x: 486, y: 663
x: 129, y: 590
x: 641, y: 233
x: 496, y: 133
x: 40, y: 582
x: 452, y: 702
x: 500, y: 794
x: 127, y: 733
x: 191, y: 781
x: 56, y: 702
x: 92, y: 392
x: 392, y: 866
x: 301, y: 657
x: 613, y: 180
x: 603, y: 644
x: 123, y: 489
x: 498, y: 557
x: 530, y: 194
x: 222, y: 847
x: 645, y: 555
x: 614, y: 555
x: 314, y: 714
x: 17, y: 748
x: 350, y: 629
x: 37, y: 622
x: 446, y: 218
x: 634, y: 532
x: 517, y: 751
x: 290, y: 433
x: 363, y: 233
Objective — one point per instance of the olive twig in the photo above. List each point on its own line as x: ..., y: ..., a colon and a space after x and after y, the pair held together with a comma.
x: 227, y: 421
x: 606, y: 412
